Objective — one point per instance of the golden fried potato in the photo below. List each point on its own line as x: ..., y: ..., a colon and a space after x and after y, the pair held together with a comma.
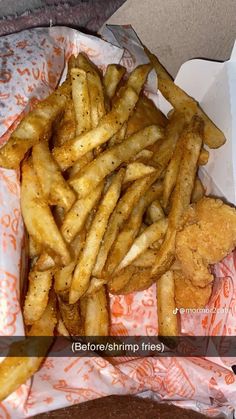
x: 36, y: 299
x: 71, y: 151
x: 95, y: 313
x: 87, y: 259
x: 121, y: 213
x: 109, y: 160
x: 182, y: 102
x: 152, y: 233
x: 38, y: 217
x: 167, y: 320
x: 54, y: 187
x: 34, y: 127
x: 130, y: 230
x: 181, y: 194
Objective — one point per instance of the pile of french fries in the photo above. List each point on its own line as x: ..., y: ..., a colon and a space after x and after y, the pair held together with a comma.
x: 106, y: 179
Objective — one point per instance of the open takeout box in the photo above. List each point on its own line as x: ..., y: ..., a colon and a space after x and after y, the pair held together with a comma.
x: 33, y: 64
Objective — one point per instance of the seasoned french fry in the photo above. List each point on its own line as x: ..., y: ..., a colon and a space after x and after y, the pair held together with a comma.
x: 65, y: 129
x: 181, y: 195
x: 121, y: 213
x: 155, y: 231
x: 109, y: 160
x: 203, y: 158
x: 154, y: 213
x: 44, y: 262
x: 145, y: 114
x: 95, y: 285
x: 112, y: 77
x: 135, y: 171
x: 172, y: 170
x: 61, y: 328
x: 71, y: 317
x: 165, y: 150
x: 55, y: 189
x: 37, y: 296
x: 95, y: 88
x: 63, y: 276
x: 95, y: 313
x: 35, y: 127
x: 16, y: 370
x: 74, y: 219
x: 82, y: 162
x: 34, y: 248
x: 87, y: 259
x: 129, y: 232
x: 71, y: 151
x: 38, y: 218
x: 167, y: 320
x: 198, y: 191
x: 182, y: 102
x: 138, y: 78
x: 119, y: 136
x: 81, y: 100
x: 46, y: 324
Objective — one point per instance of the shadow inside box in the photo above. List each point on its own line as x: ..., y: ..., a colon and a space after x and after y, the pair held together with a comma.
x: 123, y: 407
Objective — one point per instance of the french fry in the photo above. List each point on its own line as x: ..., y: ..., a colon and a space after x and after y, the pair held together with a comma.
x: 182, y: 102
x: 154, y: 213
x: 16, y: 370
x: 44, y: 263
x: 35, y: 126
x: 163, y: 154
x: 71, y: 151
x: 109, y: 160
x: 137, y: 78
x: 38, y: 218
x: 95, y: 285
x: 119, y: 136
x: 71, y: 317
x: 63, y: 276
x: 152, y: 233
x: 66, y: 127
x: 172, y: 170
x: 61, y: 328
x: 167, y: 320
x: 145, y: 114
x: 37, y: 296
x: 82, y: 162
x: 135, y: 171
x: 55, y: 189
x: 121, y: 213
x: 81, y: 100
x: 203, y: 158
x: 112, y: 77
x: 95, y: 88
x: 181, y: 194
x: 198, y: 191
x: 87, y: 259
x: 74, y: 219
x: 130, y: 230
x: 95, y: 313
x: 34, y: 248
x: 45, y: 326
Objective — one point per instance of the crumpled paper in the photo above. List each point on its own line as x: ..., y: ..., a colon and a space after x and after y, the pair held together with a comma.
x: 32, y: 63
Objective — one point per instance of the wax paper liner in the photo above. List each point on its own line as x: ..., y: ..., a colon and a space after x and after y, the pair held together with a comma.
x: 32, y: 63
